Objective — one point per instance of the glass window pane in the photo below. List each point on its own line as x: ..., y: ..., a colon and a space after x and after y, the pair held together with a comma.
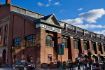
x: 49, y: 41
x: 64, y: 42
x: 17, y: 42
x: 30, y: 40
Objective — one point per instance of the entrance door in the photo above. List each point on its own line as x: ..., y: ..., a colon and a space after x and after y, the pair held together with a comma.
x: 4, y: 56
x: 79, y: 46
x: 69, y: 49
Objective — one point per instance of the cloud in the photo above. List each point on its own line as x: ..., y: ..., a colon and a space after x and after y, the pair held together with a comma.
x: 49, y: 3
x: 40, y: 4
x: 100, y: 32
x: 56, y: 3
x: 80, y: 9
x: 74, y: 21
x: 91, y: 26
x: 92, y: 15
x: 88, y: 20
x: 49, y: 0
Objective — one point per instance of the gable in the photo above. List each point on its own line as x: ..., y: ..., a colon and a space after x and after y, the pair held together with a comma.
x: 51, y: 19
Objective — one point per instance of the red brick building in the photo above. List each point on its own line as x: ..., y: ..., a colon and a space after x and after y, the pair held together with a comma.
x: 30, y: 36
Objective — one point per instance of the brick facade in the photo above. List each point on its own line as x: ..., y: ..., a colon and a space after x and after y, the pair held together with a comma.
x: 22, y: 23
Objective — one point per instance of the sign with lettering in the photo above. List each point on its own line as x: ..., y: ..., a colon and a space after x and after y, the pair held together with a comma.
x: 49, y: 28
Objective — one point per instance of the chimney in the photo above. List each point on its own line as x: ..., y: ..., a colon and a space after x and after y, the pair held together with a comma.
x: 8, y: 1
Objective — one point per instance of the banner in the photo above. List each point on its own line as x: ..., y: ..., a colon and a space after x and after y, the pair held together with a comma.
x: 61, y: 49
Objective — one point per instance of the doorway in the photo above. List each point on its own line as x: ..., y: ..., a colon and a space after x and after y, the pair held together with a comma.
x: 4, y: 56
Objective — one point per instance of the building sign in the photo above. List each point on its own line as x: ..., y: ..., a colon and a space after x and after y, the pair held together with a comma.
x: 49, y: 28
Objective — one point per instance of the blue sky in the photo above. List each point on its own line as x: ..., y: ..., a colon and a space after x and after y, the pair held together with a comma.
x: 87, y: 14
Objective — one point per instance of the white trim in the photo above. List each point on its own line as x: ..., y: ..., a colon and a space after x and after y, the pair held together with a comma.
x: 49, y: 28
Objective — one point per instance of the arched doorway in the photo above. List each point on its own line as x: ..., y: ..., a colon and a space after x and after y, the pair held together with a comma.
x: 4, y: 56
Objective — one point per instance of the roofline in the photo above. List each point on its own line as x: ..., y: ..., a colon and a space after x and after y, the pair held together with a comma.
x: 26, y: 9
x: 44, y: 15
x: 80, y: 27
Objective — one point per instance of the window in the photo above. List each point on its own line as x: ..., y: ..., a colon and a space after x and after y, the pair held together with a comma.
x: 94, y: 47
x: 17, y: 42
x: 85, y: 45
x: 79, y: 30
x: 49, y: 41
x: 100, y: 47
x: 30, y: 40
x: 49, y: 57
x: 6, y: 28
x: 104, y: 47
x: 64, y: 42
x: 76, y: 43
x: 5, y: 41
x: 70, y: 27
x: 60, y: 49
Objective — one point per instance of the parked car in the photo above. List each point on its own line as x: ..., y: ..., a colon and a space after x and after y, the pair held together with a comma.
x: 23, y: 66
x: 6, y: 67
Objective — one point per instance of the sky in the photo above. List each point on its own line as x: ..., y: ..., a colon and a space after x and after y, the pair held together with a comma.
x: 87, y: 14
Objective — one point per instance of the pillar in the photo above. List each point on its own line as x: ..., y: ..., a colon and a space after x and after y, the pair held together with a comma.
x: 102, y: 47
x: 91, y: 47
x: 72, y: 49
x: 97, y: 48
x: 8, y: 1
x: 43, y: 57
x: 82, y: 46
x: 59, y: 41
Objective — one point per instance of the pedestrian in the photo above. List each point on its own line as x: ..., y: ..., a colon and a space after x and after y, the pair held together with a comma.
x: 58, y: 64
x: 69, y: 64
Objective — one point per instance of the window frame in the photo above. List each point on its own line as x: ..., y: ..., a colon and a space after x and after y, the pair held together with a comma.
x: 49, y: 42
x: 17, y: 42
x: 65, y: 42
x: 86, y: 44
x: 30, y: 40
x: 76, y: 43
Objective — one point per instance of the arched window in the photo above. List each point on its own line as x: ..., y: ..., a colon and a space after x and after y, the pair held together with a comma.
x: 49, y: 41
x: 76, y: 43
x: 100, y: 47
x: 30, y: 40
x: 94, y: 47
x: 17, y: 42
x: 86, y: 45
